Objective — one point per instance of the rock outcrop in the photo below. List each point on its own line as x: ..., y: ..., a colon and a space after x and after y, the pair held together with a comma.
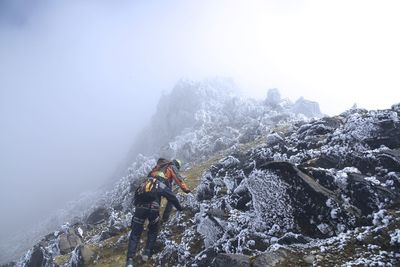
x: 69, y: 241
x: 307, y: 108
x: 274, y: 189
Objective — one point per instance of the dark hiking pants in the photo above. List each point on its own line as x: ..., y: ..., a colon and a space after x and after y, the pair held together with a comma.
x: 142, y: 213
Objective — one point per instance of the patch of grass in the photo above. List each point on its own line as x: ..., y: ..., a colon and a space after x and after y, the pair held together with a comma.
x: 62, y: 259
x: 194, y: 173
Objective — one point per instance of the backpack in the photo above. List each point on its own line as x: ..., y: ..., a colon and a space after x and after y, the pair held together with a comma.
x: 146, y: 192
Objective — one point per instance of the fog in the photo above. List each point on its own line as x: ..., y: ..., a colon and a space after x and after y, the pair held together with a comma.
x: 78, y: 79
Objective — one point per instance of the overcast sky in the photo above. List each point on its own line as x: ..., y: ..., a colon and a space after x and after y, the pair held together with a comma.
x: 78, y: 78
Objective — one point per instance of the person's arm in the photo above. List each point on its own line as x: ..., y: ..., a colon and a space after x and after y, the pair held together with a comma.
x: 167, y: 193
x: 179, y: 179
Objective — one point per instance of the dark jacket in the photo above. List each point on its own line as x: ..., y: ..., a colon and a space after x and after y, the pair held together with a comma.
x: 160, y: 190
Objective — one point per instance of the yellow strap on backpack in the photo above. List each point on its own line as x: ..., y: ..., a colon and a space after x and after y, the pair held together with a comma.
x: 150, y: 185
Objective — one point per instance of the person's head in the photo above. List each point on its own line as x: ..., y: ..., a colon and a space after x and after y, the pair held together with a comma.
x: 177, y: 163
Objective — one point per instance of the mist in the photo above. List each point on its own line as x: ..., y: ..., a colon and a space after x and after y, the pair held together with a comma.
x: 74, y: 91
x: 79, y: 79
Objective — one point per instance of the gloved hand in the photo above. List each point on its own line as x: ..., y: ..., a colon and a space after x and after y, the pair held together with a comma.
x: 185, y: 188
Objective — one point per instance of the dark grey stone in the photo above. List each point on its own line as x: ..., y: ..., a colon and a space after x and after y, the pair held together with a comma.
x: 237, y: 260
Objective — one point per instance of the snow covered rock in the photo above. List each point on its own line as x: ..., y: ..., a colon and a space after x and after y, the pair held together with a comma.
x: 273, y: 97
x: 273, y: 258
x: 396, y: 107
x: 278, y: 188
x: 69, y: 241
x: 99, y: 215
x: 37, y: 257
x: 238, y: 260
x: 307, y: 108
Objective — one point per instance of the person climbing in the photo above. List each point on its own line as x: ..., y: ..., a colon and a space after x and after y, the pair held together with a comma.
x: 147, y: 202
x: 168, y: 171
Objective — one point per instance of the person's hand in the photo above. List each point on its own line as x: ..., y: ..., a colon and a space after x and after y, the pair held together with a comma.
x: 185, y: 188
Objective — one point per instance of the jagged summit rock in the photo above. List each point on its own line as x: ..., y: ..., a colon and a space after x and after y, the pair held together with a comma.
x: 396, y: 107
x: 273, y: 97
x: 197, y: 114
x: 307, y: 108
x: 190, y: 105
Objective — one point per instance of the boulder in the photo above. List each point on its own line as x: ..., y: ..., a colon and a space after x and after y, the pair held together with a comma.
x: 324, y: 161
x: 386, y: 132
x: 69, y: 241
x: 273, y: 97
x: 237, y: 260
x: 205, y: 258
x: 274, y: 258
x: 304, y: 198
x: 396, y: 107
x: 110, y: 232
x: 273, y: 139
x: 307, y: 108
x: 211, y: 229
x: 240, y: 197
x: 205, y: 191
x: 367, y: 196
x: 291, y: 238
x: 390, y: 160
x: 37, y: 258
x: 98, y: 216
x: 322, y: 176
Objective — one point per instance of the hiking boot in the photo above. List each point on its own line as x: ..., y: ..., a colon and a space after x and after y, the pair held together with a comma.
x: 146, y: 255
x: 129, y: 262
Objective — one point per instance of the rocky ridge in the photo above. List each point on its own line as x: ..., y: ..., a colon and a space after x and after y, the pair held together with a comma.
x: 275, y: 188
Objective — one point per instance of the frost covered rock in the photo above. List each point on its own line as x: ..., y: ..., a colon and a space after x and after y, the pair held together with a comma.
x: 285, y: 187
x: 291, y: 238
x: 395, y: 238
x: 98, y: 216
x: 69, y: 241
x: 273, y: 97
x: 198, y: 119
x: 37, y: 258
x: 396, y: 107
x: 273, y: 139
x: 273, y: 258
x: 303, y: 198
x: 211, y: 229
x: 366, y: 194
x: 307, y: 108
x: 238, y: 260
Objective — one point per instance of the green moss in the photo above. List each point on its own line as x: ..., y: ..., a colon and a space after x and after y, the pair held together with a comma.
x: 62, y: 259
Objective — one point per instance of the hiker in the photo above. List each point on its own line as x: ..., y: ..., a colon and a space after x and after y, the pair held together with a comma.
x: 168, y: 171
x: 147, y: 203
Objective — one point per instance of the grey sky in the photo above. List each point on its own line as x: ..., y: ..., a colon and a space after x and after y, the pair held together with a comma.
x: 79, y: 78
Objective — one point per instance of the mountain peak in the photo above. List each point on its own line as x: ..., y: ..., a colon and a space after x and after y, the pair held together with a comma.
x: 262, y: 174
